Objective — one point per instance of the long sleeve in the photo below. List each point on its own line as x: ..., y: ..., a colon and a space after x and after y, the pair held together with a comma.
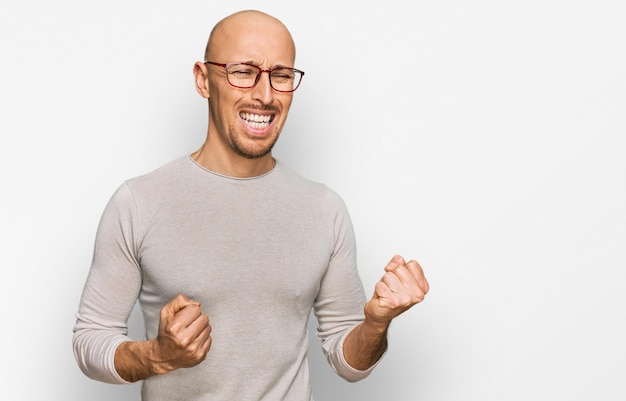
x: 339, y: 306
x: 110, y: 291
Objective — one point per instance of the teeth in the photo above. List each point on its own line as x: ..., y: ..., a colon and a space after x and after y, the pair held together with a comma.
x: 256, y: 120
x: 255, y: 117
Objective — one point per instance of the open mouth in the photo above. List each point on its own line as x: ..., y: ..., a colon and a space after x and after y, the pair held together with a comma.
x: 256, y: 121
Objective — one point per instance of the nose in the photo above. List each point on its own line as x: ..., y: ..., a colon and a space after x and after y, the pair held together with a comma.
x: 263, y: 91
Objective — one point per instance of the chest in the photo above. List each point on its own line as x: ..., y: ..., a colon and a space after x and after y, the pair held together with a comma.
x: 234, y: 256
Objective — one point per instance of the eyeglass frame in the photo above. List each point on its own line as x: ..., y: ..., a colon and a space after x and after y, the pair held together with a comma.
x: 258, y: 77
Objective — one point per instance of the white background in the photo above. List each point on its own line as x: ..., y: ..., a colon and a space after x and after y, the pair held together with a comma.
x: 484, y: 139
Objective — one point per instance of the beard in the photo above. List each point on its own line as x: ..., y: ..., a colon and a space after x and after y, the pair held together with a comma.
x: 254, y: 150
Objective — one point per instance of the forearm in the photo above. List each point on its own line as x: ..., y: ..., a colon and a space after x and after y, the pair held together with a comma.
x: 365, y: 344
x: 137, y: 360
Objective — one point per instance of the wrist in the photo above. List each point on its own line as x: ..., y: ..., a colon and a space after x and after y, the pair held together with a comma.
x: 156, y: 363
x: 375, y: 328
x: 138, y: 360
x: 375, y: 324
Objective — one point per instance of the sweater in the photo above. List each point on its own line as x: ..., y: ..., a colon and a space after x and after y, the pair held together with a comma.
x: 260, y: 254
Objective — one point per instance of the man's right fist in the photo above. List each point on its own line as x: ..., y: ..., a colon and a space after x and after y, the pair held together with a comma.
x: 184, y: 337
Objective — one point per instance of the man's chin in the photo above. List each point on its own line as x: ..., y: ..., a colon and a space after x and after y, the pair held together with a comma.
x: 253, y: 153
x: 254, y: 150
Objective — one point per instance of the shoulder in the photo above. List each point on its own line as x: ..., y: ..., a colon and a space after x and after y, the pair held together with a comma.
x: 153, y: 184
x: 171, y: 171
x: 166, y: 179
x: 316, y: 192
x: 295, y: 179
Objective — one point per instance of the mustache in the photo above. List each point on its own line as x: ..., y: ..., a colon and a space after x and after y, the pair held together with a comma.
x: 258, y: 107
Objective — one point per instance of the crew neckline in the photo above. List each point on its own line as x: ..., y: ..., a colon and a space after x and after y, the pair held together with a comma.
x: 256, y: 177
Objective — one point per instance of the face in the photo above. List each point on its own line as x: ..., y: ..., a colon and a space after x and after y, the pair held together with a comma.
x: 248, y: 122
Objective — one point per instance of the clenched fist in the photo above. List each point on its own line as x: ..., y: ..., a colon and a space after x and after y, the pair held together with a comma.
x: 184, y: 337
x: 402, y: 286
x: 183, y: 341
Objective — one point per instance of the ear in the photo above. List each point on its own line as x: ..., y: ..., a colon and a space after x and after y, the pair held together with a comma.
x: 200, y: 73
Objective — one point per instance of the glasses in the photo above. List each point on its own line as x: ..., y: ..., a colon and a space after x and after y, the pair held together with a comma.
x: 245, y: 76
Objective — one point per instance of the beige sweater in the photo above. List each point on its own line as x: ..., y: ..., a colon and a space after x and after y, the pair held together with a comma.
x: 258, y: 253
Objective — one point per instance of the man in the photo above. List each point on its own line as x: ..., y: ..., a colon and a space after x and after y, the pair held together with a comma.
x: 228, y: 251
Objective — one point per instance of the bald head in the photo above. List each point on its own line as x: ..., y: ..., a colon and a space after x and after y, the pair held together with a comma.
x: 237, y: 29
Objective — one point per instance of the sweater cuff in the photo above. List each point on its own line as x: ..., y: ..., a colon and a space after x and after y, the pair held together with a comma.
x: 348, y: 372
x: 112, y: 369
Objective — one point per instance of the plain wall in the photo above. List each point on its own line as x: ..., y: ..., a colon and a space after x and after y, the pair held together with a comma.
x: 484, y: 139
